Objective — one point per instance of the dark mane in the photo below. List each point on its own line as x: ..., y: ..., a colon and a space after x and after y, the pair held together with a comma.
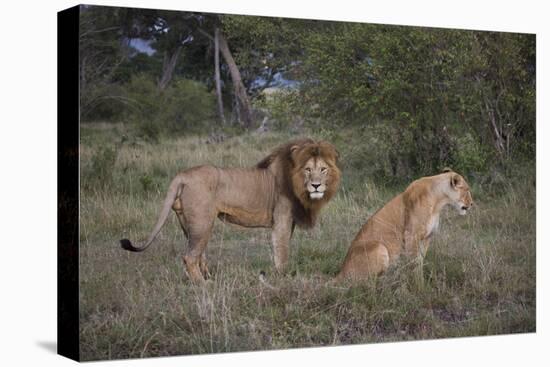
x: 282, y: 151
x: 304, y: 211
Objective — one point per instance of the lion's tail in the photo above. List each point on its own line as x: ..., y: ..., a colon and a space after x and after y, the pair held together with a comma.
x: 264, y: 281
x: 338, y: 278
x: 174, y: 191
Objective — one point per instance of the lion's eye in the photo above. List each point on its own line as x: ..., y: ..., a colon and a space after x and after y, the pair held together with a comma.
x: 308, y: 170
x: 324, y: 170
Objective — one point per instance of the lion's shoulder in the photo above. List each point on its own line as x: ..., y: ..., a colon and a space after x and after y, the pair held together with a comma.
x: 417, y: 192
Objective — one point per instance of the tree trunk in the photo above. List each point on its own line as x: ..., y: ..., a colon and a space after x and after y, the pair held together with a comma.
x: 498, y: 140
x: 238, y: 86
x: 168, y: 67
x: 217, y: 74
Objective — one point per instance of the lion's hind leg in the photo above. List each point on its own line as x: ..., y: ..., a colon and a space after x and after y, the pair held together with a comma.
x: 178, y: 209
x: 364, y: 261
x: 197, y: 222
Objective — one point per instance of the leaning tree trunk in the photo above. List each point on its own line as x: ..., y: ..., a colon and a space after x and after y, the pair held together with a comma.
x: 217, y: 74
x: 168, y: 67
x: 238, y: 86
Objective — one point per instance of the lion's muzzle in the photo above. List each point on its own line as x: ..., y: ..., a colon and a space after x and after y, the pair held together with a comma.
x: 316, y: 190
x: 316, y: 195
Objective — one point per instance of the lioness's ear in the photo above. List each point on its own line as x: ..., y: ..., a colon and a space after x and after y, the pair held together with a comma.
x: 446, y: 169
x: 456, y: 181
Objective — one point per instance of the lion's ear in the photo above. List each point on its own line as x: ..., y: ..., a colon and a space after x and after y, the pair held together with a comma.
x: 294, y: 152
x: 447, y: 169
x: 337, y: 155
x: 330, y: 149
x: 456, y: 181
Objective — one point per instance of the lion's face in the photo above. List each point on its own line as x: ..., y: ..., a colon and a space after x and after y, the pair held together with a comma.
x: 315, y: 172
x: 315, y: 175
x: 460, y: 194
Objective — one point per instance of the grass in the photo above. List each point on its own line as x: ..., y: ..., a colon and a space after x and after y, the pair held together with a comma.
x: 479, y: 274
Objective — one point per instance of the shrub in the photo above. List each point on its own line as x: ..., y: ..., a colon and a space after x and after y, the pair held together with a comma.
x: 148, y: 129
x: 187, y: 105
x: 103, y: 102
x: 184, y: 106
x: 283, y: 107
x: 146, y: 182
x: 100, y: 172
x: 470, y: 156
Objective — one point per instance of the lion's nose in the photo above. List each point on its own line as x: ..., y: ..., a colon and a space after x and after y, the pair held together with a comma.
x: 315, y: 186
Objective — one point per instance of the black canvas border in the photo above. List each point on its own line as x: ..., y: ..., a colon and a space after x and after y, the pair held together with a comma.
x: 68, y: 183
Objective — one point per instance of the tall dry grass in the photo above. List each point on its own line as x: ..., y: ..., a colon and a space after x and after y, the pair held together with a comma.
x: 479, y: 274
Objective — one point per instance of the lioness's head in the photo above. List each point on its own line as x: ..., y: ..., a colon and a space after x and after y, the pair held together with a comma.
x: 315, y: 174
x: 459, y: 193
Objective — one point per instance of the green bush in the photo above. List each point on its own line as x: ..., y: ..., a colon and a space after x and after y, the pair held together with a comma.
x: 283, y: 106
x: 146, y: 182
x: 103, y: 102
x: 187, y: 105
x: 470, y: 156
x: 100, y: 171
x: 184, y: 106
x: 148, y: 129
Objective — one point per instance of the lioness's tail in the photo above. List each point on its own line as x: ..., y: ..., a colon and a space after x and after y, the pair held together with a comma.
x: 173, y: 192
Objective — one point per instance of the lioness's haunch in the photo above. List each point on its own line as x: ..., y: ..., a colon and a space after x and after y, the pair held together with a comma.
x: 287, y: 188
x: 405, y: 224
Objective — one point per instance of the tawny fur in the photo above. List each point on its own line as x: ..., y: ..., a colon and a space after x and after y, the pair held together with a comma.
x: 287, y: 188
x: 404, y: 225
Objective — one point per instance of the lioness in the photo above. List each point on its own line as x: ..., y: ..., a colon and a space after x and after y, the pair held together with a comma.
x: 288, y: 187
x: 405, y: 224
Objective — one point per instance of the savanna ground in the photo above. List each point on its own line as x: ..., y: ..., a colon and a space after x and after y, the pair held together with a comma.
x: 479, y: 274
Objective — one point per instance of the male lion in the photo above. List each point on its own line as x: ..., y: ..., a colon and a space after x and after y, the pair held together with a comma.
x: 405, y: 224
x: 288, y: 187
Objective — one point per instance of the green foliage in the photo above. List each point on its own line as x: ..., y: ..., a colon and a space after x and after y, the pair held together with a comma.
x: 281, y: 106
x: 471, y: 156
x: 146, y: 182
x: 187, y: 105
x: 149, y: 130
x: 263, y: 46
x: 101, y: 169
x: 182, y: 107
x: 428, y: 87
x: 103, y: 101
x: 139, y: 63
x: 434, y: 97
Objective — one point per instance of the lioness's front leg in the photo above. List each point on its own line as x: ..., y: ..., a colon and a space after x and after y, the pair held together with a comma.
x: 281, y: 233
x: 414, y: 248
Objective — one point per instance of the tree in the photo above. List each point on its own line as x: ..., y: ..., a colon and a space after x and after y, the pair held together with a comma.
x: 102, y: 50
x: 499, y: 87
x: 168, y: 32
x: 217, y: 74
x: 209, y: 26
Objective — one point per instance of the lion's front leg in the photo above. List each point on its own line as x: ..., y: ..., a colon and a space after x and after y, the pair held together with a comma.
x: 415, y: 249
x: 281, y: 234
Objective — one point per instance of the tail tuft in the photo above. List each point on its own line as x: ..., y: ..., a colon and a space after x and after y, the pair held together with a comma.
x: 265, y: 283
x: 127, y: 245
